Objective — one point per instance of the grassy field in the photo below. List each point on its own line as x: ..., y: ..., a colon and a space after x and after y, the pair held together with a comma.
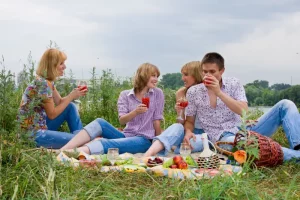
x: 32, y: 174
x: 26, y: 173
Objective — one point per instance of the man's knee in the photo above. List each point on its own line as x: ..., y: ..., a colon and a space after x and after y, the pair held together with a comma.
x: 287, y: 104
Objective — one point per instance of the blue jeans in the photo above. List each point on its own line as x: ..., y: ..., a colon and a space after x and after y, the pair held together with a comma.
x: 283, y: 113
x: 113, y: 138
x: 52, y: 138
x: 173, y: 136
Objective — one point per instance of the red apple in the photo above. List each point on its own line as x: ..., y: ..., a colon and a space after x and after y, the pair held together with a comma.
x: 182, y: 165
x: 177, y: 159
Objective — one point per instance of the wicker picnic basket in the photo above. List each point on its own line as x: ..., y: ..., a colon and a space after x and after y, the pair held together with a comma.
x: 270, y: 152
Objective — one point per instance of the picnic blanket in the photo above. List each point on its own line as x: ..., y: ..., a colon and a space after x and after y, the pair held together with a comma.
x: 137, y: 164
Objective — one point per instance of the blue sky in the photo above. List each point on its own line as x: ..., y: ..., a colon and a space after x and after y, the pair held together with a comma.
x: 258, y: 39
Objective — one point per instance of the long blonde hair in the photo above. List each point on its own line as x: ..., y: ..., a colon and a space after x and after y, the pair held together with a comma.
x: 49, y: 62
x: 193, y: 69
x: 143, y: 74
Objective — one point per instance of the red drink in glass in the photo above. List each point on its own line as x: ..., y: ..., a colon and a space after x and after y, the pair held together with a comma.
x: 207, y: 80
x: 184, y: 104
x: 82, y: 87
x: 146, y: 101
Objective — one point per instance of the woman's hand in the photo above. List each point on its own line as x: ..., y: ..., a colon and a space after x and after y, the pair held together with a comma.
x: 76, y: 93
x: 140, y: 109
x: 124, y: 119
x: 178, y: 108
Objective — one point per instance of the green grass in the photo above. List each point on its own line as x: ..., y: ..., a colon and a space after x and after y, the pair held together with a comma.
x: 31, y: 174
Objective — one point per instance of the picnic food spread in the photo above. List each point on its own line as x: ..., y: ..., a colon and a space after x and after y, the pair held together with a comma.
x: 173, y: 167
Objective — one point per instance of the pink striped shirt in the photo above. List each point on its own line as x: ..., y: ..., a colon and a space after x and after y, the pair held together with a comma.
x: 142, y: 124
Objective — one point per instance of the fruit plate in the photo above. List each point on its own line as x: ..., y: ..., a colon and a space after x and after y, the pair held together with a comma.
x: 179, y: 162
x: 153, y: 161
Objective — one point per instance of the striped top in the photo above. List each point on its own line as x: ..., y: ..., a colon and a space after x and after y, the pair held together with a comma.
x: 142, y: 124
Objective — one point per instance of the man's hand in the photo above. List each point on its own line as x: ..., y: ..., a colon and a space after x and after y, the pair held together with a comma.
x: 188, y: 136
x: 212, y: 83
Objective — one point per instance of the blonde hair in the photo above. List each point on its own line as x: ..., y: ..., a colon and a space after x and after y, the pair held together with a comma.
x: 49, y: 62
x: 142, y: 76
x: 193, y: 69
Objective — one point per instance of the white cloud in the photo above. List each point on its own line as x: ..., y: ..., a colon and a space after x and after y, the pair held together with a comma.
x: 121, y: 8
x: 122, y: 34
x: 29, y: 12
x: 270, y: 48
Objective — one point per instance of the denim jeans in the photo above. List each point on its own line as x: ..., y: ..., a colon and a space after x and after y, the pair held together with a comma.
x: 52, y: 138
x: 113, y: 138
x: 283, y: 113
x: 173, y: 136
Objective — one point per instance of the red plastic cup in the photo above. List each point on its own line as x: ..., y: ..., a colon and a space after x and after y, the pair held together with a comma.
x: 146, y: 101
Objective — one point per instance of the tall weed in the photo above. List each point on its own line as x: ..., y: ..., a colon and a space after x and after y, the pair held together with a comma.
x: 7, y: 96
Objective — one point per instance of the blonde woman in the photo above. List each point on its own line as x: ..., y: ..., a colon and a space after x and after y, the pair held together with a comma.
x: 173, y: 135
x: 142, y: 123
x: 43, y: 110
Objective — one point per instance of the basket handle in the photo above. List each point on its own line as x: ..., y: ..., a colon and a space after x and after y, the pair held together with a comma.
x: 228, y: 153
x: 213, y: 146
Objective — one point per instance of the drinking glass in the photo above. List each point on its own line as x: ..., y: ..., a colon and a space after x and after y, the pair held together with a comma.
x: 146, y: 100
x: 112, y: 155
x: 183, y: 103
x: 185, y: 149
x: 82, y: 85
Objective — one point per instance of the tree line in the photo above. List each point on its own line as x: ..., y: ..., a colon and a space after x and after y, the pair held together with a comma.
x: 258, y: 93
